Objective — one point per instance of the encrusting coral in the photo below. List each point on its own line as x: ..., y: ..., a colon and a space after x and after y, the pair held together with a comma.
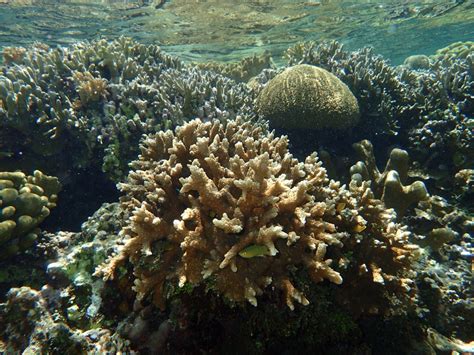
x: 25, y: 201
x: 228, y: 205
x: 305, y: 96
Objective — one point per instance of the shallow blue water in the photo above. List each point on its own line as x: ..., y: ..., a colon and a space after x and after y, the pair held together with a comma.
x: 223, y: 31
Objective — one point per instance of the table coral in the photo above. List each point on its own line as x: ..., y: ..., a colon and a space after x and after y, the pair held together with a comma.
x: 25, y: 201
x: 201, y: 197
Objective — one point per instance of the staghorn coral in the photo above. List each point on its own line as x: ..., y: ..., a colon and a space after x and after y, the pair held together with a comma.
x: 25, y: 201
x: 389, y: 183
x: 305, y: 96
x: 201, y: 198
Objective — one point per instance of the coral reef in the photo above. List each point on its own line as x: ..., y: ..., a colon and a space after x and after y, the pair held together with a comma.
x: 97, y: 99
x: 431, y: 111
x: 384, y: 99
x: 25, y: 201
x: 219, y: 225
x: 307, y: 97
x: 456, y: 50
x: 242, y: 71
x: 388, y: 185
x: 226, y: 205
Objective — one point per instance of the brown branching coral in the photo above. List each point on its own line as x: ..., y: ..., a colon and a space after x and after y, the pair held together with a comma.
x: 90, y: 89
x: 229, y: 203
x: 13, y: 54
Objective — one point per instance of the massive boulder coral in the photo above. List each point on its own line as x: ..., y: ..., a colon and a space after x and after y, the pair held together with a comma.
x: 305, y: 96
x: 25, y: 201
x: 227, y: 205
x: 382, y: 93
x: 430, y: 111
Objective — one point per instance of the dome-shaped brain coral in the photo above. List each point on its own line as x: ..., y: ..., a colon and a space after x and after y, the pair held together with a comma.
x: 229, y: 206
x: 309, y: 97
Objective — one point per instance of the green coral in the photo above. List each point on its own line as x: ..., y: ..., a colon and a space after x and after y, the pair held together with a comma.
x: 25, y: 201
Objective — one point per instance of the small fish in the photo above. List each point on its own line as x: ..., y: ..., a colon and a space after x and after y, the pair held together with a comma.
x: 340, y: 206
x: 359, y: 228
x: 254, y: 250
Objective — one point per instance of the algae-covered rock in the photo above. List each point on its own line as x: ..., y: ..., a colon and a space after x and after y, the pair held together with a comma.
x: 25, y: 201
x: 306, y: 96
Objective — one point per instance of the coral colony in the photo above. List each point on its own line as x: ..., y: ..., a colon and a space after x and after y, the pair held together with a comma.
x: 225, y: 226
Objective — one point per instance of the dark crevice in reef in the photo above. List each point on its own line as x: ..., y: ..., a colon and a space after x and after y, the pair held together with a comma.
x: 83, y: 192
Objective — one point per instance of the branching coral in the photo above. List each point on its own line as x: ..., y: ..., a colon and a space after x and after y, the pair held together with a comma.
x: 97, y: 99
x: 13, y: 55
x: 243, y: 70
x: 228, y: 204
x: 431, y: 110
x: 90, y: 89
